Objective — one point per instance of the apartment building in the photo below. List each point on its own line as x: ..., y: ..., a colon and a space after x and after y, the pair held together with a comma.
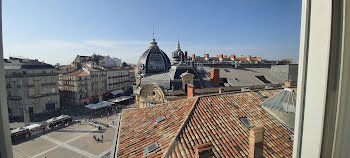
x: 118, y: 78
x: 30, y: 85
x: 75, y: 88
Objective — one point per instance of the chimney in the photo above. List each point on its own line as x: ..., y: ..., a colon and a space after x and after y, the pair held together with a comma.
x: 256, y: 142
x: 204, y: 150
x: 186, y: 54
x: 288, y: 83
x: 190, y: 90
x: 233, y: 57
x: 215, y: 76
x: 221, y: 57
x: 259, y: 58
x: 225, y: 56
x: 249, y: 58
x: 221, y: 90
x: 193, y: 56
x: 206, y: 56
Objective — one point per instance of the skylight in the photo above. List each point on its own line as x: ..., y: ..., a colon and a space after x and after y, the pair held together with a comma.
x: 246, y: 122
x: 263, y: 79
x: 150, y: 148
x: 160, y: 119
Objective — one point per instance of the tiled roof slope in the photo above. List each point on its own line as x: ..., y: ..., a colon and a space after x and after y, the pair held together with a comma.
x: 212, y: 119
x: 215, y: 119
x: 137, y: 130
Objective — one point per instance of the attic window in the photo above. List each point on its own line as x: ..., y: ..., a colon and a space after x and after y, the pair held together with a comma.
x: 160, y: 119
x: 150, y: 148
x: 263, y: 79
x: 246, y: 122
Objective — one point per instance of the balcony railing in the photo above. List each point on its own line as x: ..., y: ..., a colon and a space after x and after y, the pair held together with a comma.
x: 43, y: 95
x: 31, y: 75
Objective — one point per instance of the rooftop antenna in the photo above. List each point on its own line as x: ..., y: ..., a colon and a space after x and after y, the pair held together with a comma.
x: 153, y: 32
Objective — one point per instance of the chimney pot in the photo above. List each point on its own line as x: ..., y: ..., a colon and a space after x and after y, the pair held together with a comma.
x: 256, y: 142
x: 193, y: 56
x: 186, y: 54
x: 225, y: 56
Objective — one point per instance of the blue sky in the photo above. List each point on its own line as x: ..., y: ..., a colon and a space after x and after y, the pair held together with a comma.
x: 55, y: 31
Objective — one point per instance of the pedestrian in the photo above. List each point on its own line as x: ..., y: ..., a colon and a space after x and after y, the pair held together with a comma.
x: 102, y: 137
x: 113, y: 122
x: 94, y: 137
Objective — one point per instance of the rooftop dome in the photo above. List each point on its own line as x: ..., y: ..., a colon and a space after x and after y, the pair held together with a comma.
x: 177, y: 55
x: 153, y: 60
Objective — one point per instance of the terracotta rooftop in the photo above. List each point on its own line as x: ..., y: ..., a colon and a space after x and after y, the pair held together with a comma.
x: 137, y: 129
x: 213, y: 119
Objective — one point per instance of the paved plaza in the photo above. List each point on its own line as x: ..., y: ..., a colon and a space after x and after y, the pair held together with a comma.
x: 72, y: 141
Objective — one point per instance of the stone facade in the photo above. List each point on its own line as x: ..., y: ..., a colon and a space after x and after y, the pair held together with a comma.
x: 75, y: 88
x: 91, y: 85
x: 118, y: 79
x: 149, y: 95
x: 31, y: 84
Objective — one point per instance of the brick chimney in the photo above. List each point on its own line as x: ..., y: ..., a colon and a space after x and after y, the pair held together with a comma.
x: 204, y: 150
x: 215, y: 76
x: 186, y: 54
x: 288, y: 83
x: 225, y: 56
x: 193, y: 56
x: 190, y: 90
x: 256, y: 142
x: 233, y: 57
x: 206, y: 56
x: 221, y: 90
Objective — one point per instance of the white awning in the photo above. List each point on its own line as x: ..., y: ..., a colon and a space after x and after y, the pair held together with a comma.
x: 119, y: 91
x: 120, y: 99
x: 98, y: 105
x: 56, y: 119
x: 33, y: 126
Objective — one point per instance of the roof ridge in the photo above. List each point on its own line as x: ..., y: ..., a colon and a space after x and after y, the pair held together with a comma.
x: 172, y: 144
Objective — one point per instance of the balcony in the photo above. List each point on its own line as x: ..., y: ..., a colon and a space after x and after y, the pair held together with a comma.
x: 42, y: 95
x: 20, y: 75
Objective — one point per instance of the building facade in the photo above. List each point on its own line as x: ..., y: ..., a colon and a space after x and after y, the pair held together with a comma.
x: 75, y: 88
x: 118, y: 79
x: 91, y: 84
x: 31, y: 86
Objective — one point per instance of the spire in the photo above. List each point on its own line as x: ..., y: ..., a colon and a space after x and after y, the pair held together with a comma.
x: 178, y: 44
x: 153, y: 34
x: 153, y: 43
